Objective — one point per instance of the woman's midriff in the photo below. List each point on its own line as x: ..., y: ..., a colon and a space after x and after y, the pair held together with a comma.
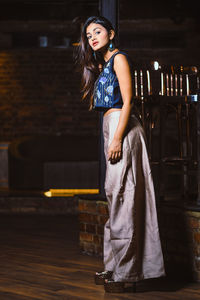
x: 111, y: 110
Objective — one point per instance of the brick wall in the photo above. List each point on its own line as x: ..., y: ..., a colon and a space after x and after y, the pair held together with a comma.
x: 39, y: 89
x: 93, y: 215
x: 179, y: 231
x: 193, y: 234
x: 39, y: 94
x: 177, y: 240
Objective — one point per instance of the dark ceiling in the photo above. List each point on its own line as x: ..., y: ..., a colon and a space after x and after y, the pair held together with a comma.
x: 69, y: 9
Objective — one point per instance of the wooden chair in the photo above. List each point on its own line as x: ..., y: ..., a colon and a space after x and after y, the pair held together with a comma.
x: 166, y: 97
x: 178, y: 94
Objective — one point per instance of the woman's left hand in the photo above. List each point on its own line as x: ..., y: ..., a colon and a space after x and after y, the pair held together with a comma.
x: 115, y: 151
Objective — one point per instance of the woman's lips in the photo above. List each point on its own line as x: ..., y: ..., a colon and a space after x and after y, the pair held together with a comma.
x: 94, y: 44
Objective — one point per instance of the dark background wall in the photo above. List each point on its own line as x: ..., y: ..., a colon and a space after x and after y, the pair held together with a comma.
x: 39, y: 88
x: 39, y: 94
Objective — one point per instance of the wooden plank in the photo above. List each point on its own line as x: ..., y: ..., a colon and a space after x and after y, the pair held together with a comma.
x: 40, y: 259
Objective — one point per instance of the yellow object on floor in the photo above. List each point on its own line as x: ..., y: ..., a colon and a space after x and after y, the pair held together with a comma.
x: 69, y: 192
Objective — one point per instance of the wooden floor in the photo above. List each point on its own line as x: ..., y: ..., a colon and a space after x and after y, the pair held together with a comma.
x: 40, y: 259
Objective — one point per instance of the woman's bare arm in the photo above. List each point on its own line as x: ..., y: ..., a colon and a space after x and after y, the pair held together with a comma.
x: 123, y: 73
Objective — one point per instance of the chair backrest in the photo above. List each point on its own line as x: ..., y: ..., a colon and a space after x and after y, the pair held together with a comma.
x: 179, y: 81
x: 142, y: 85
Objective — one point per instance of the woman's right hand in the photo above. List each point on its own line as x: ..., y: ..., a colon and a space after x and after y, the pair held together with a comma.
x: 115, y: 151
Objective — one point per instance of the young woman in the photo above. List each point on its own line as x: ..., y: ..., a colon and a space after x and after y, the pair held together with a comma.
x: 132, y: 249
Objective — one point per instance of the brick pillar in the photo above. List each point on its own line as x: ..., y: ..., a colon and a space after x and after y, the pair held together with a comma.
x: 193, y: 229
x: 179, y: 228
x: 92, y: 216
x: 4, y: 165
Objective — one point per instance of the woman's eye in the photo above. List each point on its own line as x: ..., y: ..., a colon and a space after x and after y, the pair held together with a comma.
x: 89, y: 37
x: 97, y: 32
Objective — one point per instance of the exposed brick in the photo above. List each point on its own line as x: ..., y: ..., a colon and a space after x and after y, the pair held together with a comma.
x: 102, y: 220
x: 101, y: 239
x: 90, y: 206
x: 197, y: 237
x: 88, y: 218
x: 196, y: 250
x: 180, y: 237
x: 193, y: 214
x: 91, y: 228
x: 193, y: 223
x: 102, y: 209
x: 88, y: 248
x: 99, y: 250
x: 30, y: 110
x: 81, y: 206
x: 81, y: 245
x: 82, y: 227
x: 95, y: 219
x: 189, y: 236
x: 100, y: 229
x: 97, y: 240
x: 87, y: 237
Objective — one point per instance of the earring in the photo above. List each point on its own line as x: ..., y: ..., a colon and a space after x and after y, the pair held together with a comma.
x: 111, y: 46
x: 94, y: 55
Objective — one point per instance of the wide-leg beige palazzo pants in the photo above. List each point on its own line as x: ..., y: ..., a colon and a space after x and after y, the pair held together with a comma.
x: 132, y: 248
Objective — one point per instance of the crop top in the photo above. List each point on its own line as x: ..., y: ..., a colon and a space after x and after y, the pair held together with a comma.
x: 106, y: 89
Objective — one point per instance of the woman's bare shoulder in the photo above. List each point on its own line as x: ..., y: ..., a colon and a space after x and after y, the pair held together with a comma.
x: 121, y: 61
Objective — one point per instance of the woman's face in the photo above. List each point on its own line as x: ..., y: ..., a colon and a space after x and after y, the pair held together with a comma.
x: 98, y: 37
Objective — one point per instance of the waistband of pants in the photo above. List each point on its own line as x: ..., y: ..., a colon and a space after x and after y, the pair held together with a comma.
x: 112, y: 114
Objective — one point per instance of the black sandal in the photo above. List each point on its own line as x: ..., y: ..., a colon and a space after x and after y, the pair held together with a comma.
x: 112, y: 286
x: 100, y: 277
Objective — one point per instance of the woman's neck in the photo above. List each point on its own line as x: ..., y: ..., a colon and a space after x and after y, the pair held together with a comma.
x: 107, y: 55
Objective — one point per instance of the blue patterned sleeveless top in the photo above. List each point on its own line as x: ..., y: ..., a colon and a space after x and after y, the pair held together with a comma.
x: 106, y: 89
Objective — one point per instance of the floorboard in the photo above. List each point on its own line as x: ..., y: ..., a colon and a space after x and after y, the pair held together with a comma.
x: 40, y: 259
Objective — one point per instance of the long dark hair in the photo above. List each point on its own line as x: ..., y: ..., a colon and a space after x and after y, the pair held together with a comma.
x: 87, y: 62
